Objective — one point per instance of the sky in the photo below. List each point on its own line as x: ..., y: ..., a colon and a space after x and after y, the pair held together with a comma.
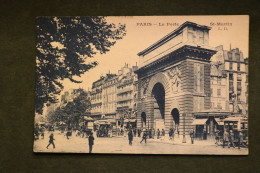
x: 139, y: 36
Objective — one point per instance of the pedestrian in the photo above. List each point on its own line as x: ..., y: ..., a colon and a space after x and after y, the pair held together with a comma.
x: 150, y: 133
x: 163, y: 132
x: 36, y: 134
x: 173, y: 131
x: 192, y: 136
x: 170, y: 134
x: 217, y: 137
x: 122, y: 132
x: 139, y: 132
x: 178, y: 131
x: 130, y: 137
x: 225, y: 138
x: 231, y: 139
x: 144, y: 137
x: 51, y: 141
x: 42, y: 133
x: 158, y: 133
x: 90, y: 142
x: 67, y: 135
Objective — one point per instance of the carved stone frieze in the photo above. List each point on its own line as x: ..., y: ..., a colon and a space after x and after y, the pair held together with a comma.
x: 175, y: 79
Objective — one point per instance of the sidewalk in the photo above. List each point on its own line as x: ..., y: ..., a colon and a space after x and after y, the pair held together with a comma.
x: 179, y: 141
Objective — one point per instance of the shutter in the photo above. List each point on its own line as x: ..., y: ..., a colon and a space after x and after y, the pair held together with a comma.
x: 202, y: 78
x: 195, y: 77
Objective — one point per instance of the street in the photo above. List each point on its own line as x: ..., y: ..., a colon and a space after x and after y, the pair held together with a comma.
x: 120, y: 144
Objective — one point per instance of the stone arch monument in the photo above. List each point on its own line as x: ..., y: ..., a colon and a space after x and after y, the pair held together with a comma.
x: 174, y: 78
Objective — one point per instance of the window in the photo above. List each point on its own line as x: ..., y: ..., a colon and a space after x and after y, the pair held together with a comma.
x: 230, y: 76
x: 199, y: 78
x: 230, y: 66
x: 239, y: 85
x: 212, y: 104
x: 219, y: 92
x: 211, y: 91
x: 230, y: 55
x: 237, y: 56
x: 238, y: 97
x: 231, y: 86
x: 238, y: 66
x: 219, y: 81
x: 219, y: 105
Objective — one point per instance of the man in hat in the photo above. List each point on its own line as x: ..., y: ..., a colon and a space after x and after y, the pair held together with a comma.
x: 130, y: 137
x: 90, y: 142
x: 51, y: 141
x: 144, y: 136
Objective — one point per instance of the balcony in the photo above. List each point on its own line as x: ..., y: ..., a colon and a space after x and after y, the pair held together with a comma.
x: 121, y: 99
x: 239, y: 78
x: 124, y: 90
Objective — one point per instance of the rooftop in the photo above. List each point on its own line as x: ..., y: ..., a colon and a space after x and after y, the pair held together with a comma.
x: 170, y: 35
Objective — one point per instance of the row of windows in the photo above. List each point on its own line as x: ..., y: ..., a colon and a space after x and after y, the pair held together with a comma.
x: 218, y: 92
x: 218, y: 81
x: 237, y: 56
x: 199, y: 78
x: 231, y: 66
x: 96, y: 96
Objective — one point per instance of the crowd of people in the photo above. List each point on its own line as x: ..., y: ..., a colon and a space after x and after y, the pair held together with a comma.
x: 226, y: 137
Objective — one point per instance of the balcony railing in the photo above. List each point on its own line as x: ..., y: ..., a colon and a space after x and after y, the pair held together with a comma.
x: 123, y: 90
x: 120, y: 99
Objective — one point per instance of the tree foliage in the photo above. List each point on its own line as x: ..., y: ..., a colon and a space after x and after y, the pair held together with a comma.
x: 63, y: 46
x: 73, y: 111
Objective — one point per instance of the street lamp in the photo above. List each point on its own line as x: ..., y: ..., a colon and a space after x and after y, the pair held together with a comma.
x: 184, y: 139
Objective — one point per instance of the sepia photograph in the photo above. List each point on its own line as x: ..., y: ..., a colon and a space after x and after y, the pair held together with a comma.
x: 142, y: 85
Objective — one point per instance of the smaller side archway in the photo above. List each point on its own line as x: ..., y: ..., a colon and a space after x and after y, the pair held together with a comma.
x: 143, y: 119
x: 176, y: 118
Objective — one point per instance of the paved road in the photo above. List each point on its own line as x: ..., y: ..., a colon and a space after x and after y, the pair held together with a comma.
x: 120, y: 145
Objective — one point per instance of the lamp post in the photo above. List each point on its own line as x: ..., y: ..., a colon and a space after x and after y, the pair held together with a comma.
x: 184, y: 139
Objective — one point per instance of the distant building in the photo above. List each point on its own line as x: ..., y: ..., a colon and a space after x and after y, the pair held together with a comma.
x: 68, y: 96
x: 218, y: 84
x: 96, y: 98
x: 127, y: 96
x: 114, y: 97
x: 235, y: 75
x: 109, y: 96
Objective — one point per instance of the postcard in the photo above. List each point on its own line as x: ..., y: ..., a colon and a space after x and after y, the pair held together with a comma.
x: 142, y: 85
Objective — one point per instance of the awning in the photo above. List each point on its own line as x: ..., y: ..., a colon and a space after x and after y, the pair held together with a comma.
x: 88, y: 118
x: 199, y: 122
x: 220, y: 123
x: 130, y: 120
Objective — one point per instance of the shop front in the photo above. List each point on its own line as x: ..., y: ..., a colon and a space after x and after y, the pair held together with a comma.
x: 206, y: 124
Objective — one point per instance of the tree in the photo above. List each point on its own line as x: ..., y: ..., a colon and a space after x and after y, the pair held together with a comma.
x: 73, y: 111
x: 63, y: 46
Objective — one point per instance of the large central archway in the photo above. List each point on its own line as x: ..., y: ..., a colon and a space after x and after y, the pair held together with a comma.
x: 158, y: 95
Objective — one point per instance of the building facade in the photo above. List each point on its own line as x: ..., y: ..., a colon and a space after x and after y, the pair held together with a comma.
x: 236, y: 71
x: 126, y: 96
x: 114, y: 96
x: 109, y: 96
x: 96, y: 98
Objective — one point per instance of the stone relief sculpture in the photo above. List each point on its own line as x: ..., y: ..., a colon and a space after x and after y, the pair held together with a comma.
x: 144, y: 85
x: 175, y: 79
